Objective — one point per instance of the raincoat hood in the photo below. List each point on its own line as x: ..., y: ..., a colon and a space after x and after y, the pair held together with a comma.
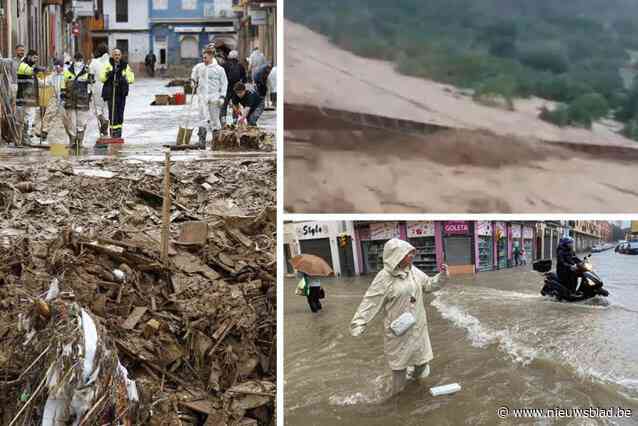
x: 393, y: 253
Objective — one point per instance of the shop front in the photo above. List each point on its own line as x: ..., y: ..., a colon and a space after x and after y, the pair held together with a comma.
x: 422, y: 236
x: 516, y: 235
x: 528, y: 242
x: 457, y: 247
x: 314, y: 239
x: 501, y: 245
x: 373, y: 237
x: 484, y: 246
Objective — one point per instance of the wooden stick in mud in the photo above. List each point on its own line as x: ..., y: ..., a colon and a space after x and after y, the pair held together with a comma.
x: 166, y: 209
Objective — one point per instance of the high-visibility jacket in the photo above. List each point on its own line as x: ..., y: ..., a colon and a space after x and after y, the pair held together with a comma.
x: 25, y: 75
x: 82, y: 76
x: 120, y: 79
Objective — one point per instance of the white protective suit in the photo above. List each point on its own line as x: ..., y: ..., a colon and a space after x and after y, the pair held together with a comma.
x: 392, y: 291
x: 212, y: 85
x: 95, y: 68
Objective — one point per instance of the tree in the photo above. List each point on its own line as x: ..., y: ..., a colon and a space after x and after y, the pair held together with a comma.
x: 588, y: 108
x: 545, y: 58
x: 501, y: 85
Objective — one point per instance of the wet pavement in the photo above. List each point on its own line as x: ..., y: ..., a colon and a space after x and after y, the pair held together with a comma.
x: 147, y: 129
x: 493, y: 333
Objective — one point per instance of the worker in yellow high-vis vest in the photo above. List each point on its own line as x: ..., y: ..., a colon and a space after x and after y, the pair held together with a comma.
x: 117, y: 76
x: 25, y: 72
x: 76, y: 104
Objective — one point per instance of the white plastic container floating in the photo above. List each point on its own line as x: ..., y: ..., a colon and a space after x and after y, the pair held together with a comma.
x: 445, y: 389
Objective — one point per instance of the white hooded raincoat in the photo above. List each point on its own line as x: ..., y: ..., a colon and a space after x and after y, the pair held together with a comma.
x: 397, y: 290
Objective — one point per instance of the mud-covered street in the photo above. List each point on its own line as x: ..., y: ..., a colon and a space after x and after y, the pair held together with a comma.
x: 172, y: 284
x: 492, y: 333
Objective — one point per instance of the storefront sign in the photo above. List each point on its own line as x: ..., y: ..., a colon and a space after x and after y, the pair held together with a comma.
x: 258, y: 17
x: 516, y: 231
x: 83, y: 8
x: 384, y: 230
x: 420, y: 229
x: 484, y: 228
x: 528, y: 233
x: 310, y: 230
x: 456, y: 228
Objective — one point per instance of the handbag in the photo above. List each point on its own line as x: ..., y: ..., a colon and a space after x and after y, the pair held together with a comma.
x: 300, y: 290
x: 403, y: 323
x: 322, y: 293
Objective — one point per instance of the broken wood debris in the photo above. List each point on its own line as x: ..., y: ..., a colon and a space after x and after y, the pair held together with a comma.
x: 189, y: 331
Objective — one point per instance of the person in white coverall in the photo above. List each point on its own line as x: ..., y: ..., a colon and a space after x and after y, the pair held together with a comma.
x: 211, y: 84
x: 96, y: 66
x: 398, y: 288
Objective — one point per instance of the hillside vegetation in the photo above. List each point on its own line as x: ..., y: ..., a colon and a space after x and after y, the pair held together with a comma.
x: 569, y: 52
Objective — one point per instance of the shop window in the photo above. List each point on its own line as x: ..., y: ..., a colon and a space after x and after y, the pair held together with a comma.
x: 189, y: 47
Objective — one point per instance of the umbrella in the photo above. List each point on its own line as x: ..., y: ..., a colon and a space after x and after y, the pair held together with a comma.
x: 311, y: 265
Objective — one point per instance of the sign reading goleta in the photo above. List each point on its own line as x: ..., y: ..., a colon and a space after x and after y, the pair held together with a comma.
x: 456, y: 228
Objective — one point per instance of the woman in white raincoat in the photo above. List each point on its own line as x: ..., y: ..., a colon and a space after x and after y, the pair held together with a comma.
x: 210, y: 80
x: 398, y: 288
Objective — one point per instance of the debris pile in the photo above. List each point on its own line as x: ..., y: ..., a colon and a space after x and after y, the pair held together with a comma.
x: 244, y: 139
x: 191, y: 341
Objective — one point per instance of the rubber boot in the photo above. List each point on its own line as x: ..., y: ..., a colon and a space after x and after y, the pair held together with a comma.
x: 104, y: 125
x: 202, y: 137
x: 80, y: 138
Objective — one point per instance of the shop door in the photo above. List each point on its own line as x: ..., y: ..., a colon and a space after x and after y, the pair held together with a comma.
x: 373, y: 255
x: 539, y: 247
x: 486, y: 254
x: 502, y: 253
x: 287, y: 256
x: 319, y: 247
x: 346, y: 257
x: 547, y: 252
x: 458, y: 251
x: 528, y: 244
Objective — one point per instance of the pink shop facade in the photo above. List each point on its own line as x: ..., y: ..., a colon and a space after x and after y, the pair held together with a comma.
x: 466, y: 246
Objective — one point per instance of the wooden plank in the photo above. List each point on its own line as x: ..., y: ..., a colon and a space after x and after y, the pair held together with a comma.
x: 134, y: 317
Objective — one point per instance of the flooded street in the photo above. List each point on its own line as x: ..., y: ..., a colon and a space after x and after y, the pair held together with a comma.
x: 493, y: 333
x: 147, y: 129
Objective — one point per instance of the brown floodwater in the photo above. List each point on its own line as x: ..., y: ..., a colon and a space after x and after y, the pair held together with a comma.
x: 492, y: 333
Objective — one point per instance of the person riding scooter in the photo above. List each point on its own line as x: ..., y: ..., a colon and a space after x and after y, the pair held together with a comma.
x: 567, y: 263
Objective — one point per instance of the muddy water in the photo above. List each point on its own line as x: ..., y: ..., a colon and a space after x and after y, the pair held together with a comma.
x: 492, y: 333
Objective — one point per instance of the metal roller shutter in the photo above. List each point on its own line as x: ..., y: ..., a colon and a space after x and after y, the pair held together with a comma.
x: 319, y: 247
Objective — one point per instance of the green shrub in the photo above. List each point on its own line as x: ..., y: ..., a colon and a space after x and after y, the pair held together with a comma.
x: 559, y: 116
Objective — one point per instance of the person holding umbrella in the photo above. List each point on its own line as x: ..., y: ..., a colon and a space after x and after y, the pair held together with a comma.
x: 312, y: 268
x: 397, y: 290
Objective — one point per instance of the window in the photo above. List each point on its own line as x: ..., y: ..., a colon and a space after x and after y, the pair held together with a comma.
x: 189, y: 4
x: 189, y: 47
x: 123, y: 46
x: 121, y: 10
x: 160, y: 4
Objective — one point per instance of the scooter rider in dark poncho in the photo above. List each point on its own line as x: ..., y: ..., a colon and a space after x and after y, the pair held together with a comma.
x: 567, y: 263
